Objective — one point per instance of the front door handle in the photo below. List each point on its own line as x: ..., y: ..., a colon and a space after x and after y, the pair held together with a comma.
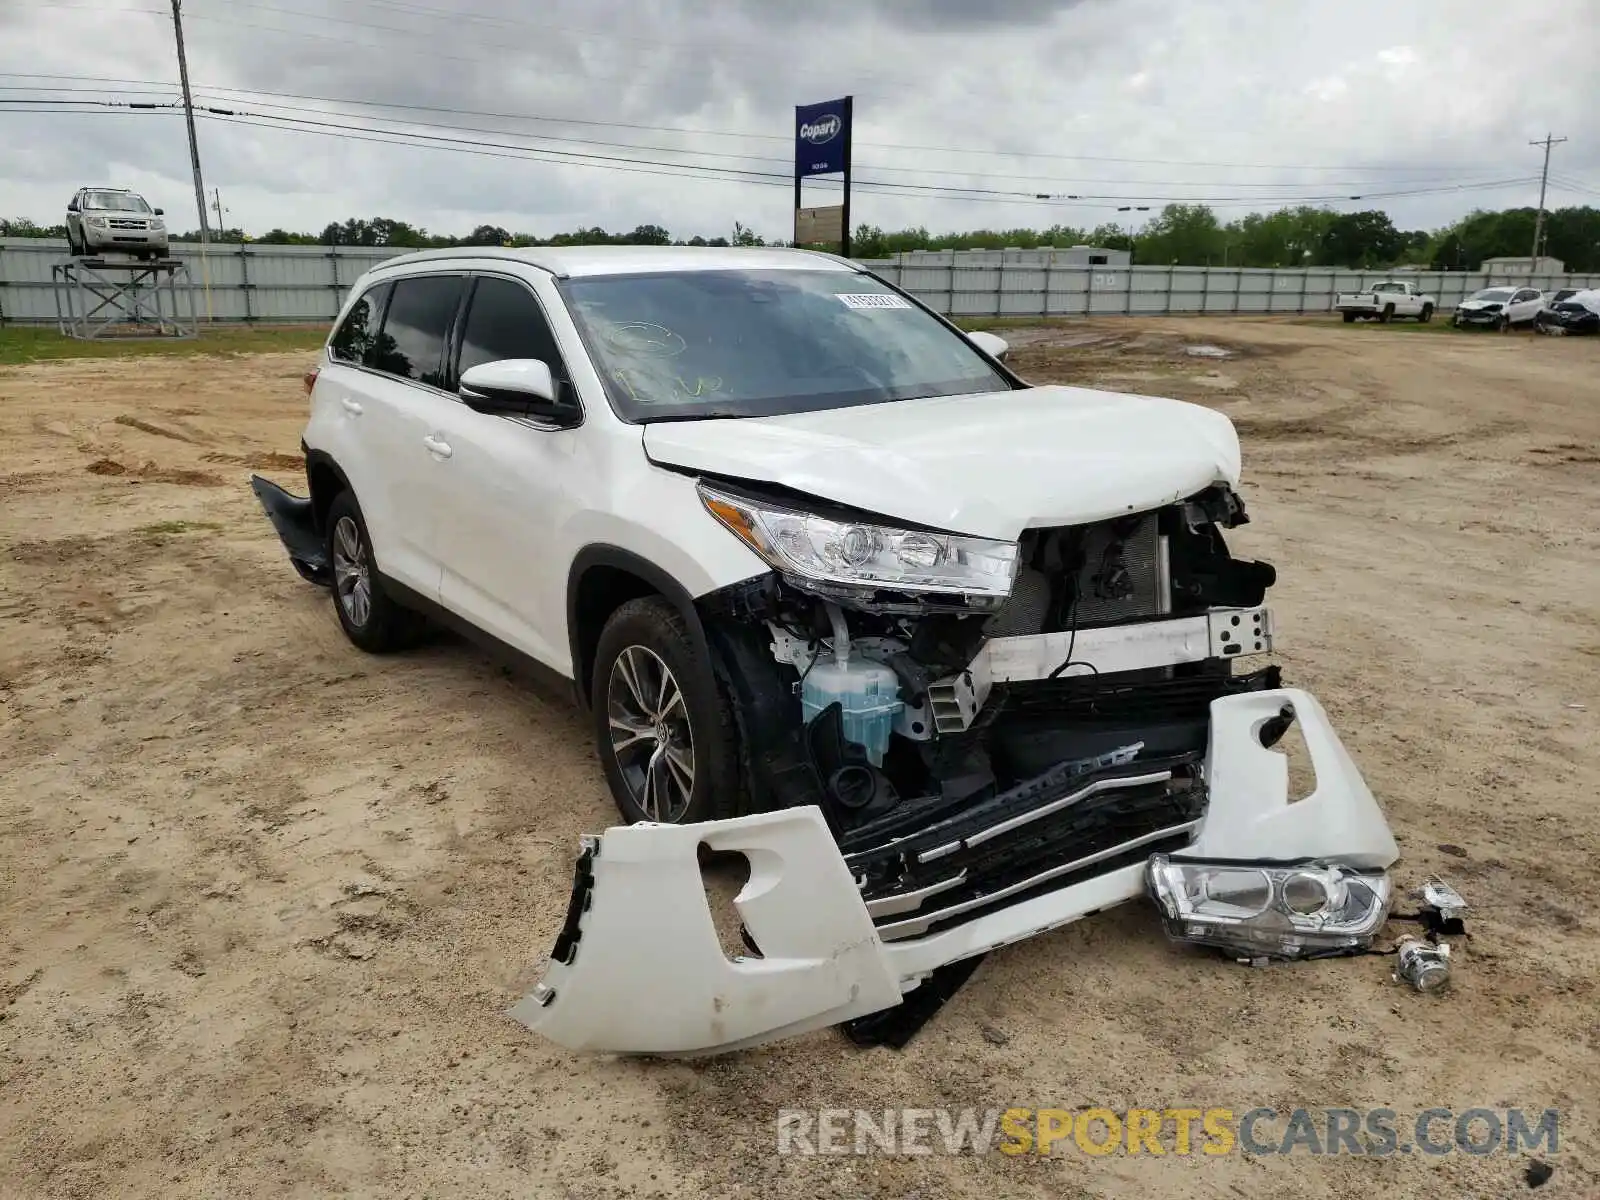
x: 436, y: 447
x: 350, y: 406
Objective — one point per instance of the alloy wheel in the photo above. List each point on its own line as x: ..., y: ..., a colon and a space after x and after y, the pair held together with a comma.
x: 650, y: 734
x: 352, y: 572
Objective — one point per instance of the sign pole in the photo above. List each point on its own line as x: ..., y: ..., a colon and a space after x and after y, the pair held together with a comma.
x: 849, y: 125
x: 822, y: 143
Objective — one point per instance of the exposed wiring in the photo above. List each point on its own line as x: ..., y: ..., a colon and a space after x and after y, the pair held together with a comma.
x: 1072, y: 642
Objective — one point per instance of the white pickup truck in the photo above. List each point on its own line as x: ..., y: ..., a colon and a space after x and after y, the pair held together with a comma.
x: 1386, y: 300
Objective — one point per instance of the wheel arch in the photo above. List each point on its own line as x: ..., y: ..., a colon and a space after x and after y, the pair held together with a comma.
x: 602, y: 579
x: 325, y: 479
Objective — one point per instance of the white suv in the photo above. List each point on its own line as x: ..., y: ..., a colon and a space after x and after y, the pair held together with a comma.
x: 950, y: 659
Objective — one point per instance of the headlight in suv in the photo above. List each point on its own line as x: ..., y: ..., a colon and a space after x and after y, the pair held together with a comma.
x: 812, y: 549
x: 1261, y: 910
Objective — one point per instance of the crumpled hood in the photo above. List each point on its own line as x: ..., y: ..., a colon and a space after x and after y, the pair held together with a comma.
x: 1478, y: 305
x: 989, y: 465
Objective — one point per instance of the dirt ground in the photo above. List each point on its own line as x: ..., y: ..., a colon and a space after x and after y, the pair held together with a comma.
x: 264, y: 899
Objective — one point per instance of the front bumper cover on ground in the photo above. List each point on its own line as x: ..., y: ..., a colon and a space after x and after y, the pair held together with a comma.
x: 639, y: 968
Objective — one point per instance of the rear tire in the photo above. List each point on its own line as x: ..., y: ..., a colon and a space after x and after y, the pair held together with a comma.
x: 370, y: 618
x: 663, y: 728
x: 1349, y: 318
x: 1388, y: 314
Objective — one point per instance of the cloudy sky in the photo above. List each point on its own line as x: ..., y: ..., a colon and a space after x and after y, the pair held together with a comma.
x: 679, y: 112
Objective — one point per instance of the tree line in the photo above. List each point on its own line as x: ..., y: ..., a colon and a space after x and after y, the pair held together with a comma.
x: 1179, y: 234
x: 1191, y: 235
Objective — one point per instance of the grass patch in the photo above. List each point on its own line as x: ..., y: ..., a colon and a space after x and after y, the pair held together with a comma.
x: 27, y: 343
x: 976, y: 324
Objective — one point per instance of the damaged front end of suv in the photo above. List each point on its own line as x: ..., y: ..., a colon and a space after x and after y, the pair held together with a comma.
x: 951, y: 743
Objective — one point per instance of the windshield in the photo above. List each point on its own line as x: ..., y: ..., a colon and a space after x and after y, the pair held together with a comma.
x: 693, y: 344
x: 115, y: 201
x: 1492, y: 294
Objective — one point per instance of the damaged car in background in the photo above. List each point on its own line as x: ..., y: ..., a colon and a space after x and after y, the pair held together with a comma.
x: 950, y: 660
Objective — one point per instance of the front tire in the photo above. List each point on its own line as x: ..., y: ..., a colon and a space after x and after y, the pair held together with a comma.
x: 663, y: 727
x: 1426, y: 314
x: 369, y: 617
x: 1503, y: 324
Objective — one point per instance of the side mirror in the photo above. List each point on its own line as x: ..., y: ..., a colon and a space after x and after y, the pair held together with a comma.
x: 995, y: 347
x: 515, y: 387
x: 72, y: 208
x: 161, y: 212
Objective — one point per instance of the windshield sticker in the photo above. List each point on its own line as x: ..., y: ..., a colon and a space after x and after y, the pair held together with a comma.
x: 872, y: 300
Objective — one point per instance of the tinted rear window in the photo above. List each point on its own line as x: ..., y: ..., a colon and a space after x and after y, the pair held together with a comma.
x: 357, y: 335
x: 414, y: 332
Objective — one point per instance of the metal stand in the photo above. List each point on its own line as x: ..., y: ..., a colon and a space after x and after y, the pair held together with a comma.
x: 143, y: 303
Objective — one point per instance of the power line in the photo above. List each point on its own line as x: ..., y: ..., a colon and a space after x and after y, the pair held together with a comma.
x: 774, y: 178
x: 1032, y: 193
x: 134, y: 110
x: 746, y: 134
x: 747, y: 175
x: 1034, y: 180
x: 92, y: 105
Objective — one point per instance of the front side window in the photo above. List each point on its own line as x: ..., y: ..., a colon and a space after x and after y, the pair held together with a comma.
x: 357, y: 336
x: 414, y: 333
x: 739, y: 343
x: 505, y: 321
x: 114, y: 202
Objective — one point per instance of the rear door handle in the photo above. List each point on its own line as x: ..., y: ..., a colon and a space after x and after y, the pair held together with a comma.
x: 440, y: 449
x: 350, y: 406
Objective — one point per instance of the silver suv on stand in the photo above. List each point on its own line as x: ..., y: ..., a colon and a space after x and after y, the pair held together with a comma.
x: 101, y: 219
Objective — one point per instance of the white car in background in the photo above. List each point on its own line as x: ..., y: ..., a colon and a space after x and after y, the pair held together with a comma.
x: 950, y: 659
x: 1499, y: 307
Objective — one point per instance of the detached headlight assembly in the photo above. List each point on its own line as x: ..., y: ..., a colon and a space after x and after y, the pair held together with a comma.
x: 844, y: 557
x: 1256, y: 911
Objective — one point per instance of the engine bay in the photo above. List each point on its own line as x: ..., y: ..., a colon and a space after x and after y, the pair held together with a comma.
x: 964, y: 754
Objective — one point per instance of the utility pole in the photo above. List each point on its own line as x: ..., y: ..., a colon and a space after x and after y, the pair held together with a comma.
x: 1131, y: 208
x: 1544, y: 178
x: 216, y: 203
x: 194, y: 155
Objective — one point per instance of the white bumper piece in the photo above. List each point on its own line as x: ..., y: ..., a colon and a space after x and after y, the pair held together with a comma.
x: 639, y: 968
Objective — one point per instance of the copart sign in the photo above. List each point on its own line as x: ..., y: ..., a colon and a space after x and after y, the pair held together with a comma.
x: 822, y: 138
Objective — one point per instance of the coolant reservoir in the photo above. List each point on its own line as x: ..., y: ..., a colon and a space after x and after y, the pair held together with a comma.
x: 867, y: 691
